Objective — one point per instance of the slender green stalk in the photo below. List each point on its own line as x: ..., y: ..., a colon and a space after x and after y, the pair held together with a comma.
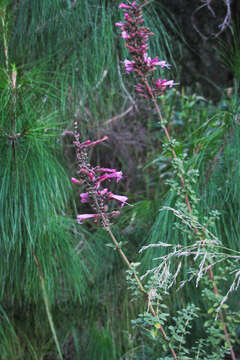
x: 140, y: 285
x: 47, y: 307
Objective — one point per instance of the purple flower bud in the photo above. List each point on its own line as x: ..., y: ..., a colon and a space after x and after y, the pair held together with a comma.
x: 126, y: 16
x: 84, y: 197
x: 125, y: 35
x: 103, y: 192
x: 76, y: 181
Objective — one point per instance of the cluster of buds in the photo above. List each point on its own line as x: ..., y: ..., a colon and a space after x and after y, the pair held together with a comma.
x: 92, y: 179
x: 136, y: 36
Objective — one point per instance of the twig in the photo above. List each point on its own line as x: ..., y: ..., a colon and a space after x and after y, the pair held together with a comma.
x: 223, y: 26
x: 124, y: 87
x: 46, y: 302
x: 119, y: 116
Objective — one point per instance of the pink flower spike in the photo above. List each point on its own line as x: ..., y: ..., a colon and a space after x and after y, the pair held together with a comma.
x: 84, y: 197
x: 124, y: 6
x: 82, y: 217
x: 76, y: 181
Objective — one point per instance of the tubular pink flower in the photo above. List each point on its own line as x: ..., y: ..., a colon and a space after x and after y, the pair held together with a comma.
x: 120, y: 198
x: 76, y: 181
x: 154, y: 62
x: 120, y: 23
x: 96, y: 142
x: 163, y: 83
x: 163, y: 64
x: 117, y: 175
x: 170, y: 83
x: 129, y: 66
x: 105, y: 170
x: 89, y: 143
x: 82, y: 217
x: 85, y: 143
x: 124, y: 6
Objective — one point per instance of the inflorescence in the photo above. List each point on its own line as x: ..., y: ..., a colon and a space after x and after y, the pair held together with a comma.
x: 136, y: 37
x: 92, y: 178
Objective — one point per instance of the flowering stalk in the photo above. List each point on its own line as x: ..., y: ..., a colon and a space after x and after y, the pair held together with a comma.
x: 136, y: 37
x: 92, y: 177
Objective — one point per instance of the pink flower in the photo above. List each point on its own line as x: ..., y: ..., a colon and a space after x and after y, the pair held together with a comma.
x: 124, y: 6
x: 127, y: 17
x: 129, y: 66
x: 82, y: 217
x: 154, y: 62
x: 117, y: 175
x: 170, y: 83
x: 106, y: 170
x: 76, y: 181
x: 163, y: 83
x: 97, y: 141
x: 125, y: 35
x: 84, y: 197
x: 120, y: 23
x: 103, y: 192
x: 89, y: 143
x: 163, y: 64
x: 120, y: 198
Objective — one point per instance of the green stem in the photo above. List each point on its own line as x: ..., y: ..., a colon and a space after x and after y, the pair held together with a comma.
x: 139, y: 283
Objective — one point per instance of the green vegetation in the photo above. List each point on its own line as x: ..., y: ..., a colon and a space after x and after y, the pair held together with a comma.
x: 65, y: 292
